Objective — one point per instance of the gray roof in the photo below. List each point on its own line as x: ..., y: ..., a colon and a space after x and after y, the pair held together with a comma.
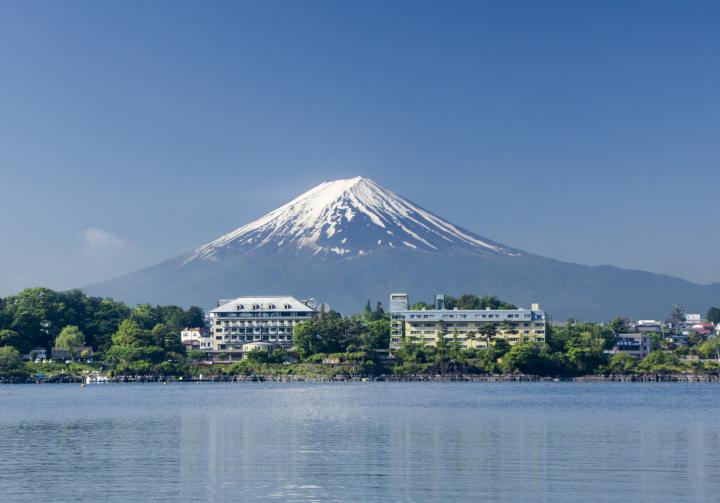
x: 265, y: 303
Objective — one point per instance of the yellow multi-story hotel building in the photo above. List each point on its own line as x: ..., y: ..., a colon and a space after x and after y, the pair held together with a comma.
x: 465, y: 325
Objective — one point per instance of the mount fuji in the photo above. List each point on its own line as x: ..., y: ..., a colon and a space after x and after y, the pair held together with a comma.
x: 346, y: 241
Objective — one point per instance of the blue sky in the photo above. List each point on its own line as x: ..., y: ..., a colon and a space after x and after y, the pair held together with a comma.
x: 131, y: 132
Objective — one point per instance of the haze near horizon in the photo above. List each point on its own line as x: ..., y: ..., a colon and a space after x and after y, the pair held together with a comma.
x: 134, y: 132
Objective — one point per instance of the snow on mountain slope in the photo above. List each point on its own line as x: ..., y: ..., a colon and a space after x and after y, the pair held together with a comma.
x: 347, y: 218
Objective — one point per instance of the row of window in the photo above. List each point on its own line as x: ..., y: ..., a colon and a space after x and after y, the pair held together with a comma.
x: 485, y: 316
x: 255, y: 307
x: 264, y: 314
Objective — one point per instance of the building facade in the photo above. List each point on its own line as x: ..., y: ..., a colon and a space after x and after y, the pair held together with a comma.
x: 468, y: 326
x: 635, y: 344
x: 196, y: 338
x: 237, y: 322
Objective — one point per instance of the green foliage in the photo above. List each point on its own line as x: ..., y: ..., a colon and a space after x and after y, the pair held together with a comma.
x: 677, y: 315
x: 622, y: 364
x: 70, y: 337
x: 661, y: 362
x: 167, y: 338
x: 418, y: 306
x: 469, y: 301
x: 488, y: 332
x: 713, y: 315
x: 529, y: 358
x: 331, y: 333
x: 11, y: 338
x: 619, y: 325
x: 37, y: 315
x: 131, y: 334
x: 710, y: 348
x: 196, y: 355
x: 10, y: 362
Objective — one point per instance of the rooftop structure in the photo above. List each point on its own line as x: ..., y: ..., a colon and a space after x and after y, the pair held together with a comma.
x: 468, y: 326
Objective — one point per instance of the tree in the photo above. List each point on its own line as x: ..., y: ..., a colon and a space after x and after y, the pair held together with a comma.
x: 70, y: 338
x: 377, y: 334
x: 327, y: 333
x: 196, y: 354
x: 167, y: 338
x: 12, y: 338
x: 660, y: 362
x: 619, y: 325
x: 488, y: 331
x: 10, y: 361
x: 528, y: 358
x: 104, y: 317
x: 622, y: 363
x: 131, y: 334
x: 710, y: 348
x: 194, y: 317
x: 470, y: 337
x: 713, y: 315
x: 379, y: 312
x: 677, y: 315
x: 440, y: 346
x: 145, y: 316
x: 257, y: 355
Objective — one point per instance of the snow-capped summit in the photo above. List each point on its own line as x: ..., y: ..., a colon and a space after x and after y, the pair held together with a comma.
x: 349, y: 217
x: 348, y: 241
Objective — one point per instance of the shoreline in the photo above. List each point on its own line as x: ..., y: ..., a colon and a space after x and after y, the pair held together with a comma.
x: 506, y: 378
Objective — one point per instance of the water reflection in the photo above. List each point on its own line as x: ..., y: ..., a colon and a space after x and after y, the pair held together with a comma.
x: 360, y: 442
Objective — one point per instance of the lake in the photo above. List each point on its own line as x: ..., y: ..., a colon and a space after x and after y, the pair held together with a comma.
x: 378, y: 442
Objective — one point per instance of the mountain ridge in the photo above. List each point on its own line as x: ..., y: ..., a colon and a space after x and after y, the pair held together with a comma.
x: 345, y: 241
x: 317, y: 222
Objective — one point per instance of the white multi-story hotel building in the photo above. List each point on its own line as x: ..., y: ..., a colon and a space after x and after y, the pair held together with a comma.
x: 257, y: 319
x: 425, y: 326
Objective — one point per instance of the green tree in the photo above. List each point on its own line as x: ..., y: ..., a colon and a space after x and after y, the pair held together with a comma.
x: 167, y: 338
x: 710, y: 348
x: 70, y: 338
x: 713, y: 315
x: 10, y: 361
x: 368, y: 310
x: 194, y: 317
x: 488, y: 331
x: 619, y: 325
x: 677, y: 315
x: 379, y: 312
x: 660, y: 362
x: 130, y: 334
x: 12, y: 338
x: 145, y: 316
x: 327, y: 333
x: 377, y: 334
x: 196, y: 354
x: 528, y: 358
x: 622, y: 364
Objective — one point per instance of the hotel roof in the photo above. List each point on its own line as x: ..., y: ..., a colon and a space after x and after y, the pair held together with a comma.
x: 265, y: 303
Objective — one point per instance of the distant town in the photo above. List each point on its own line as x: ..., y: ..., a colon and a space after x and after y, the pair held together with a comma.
x: 48, y: 336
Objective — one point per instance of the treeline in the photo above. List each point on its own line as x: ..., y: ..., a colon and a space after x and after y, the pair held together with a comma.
x: 349, y: 343
x: 43, y: 318
x: 468, y: 301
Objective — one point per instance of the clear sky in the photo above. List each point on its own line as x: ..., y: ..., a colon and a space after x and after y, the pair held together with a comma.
x: 131, y: 132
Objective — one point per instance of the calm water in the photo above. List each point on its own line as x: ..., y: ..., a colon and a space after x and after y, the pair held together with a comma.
x: 360, y: 442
